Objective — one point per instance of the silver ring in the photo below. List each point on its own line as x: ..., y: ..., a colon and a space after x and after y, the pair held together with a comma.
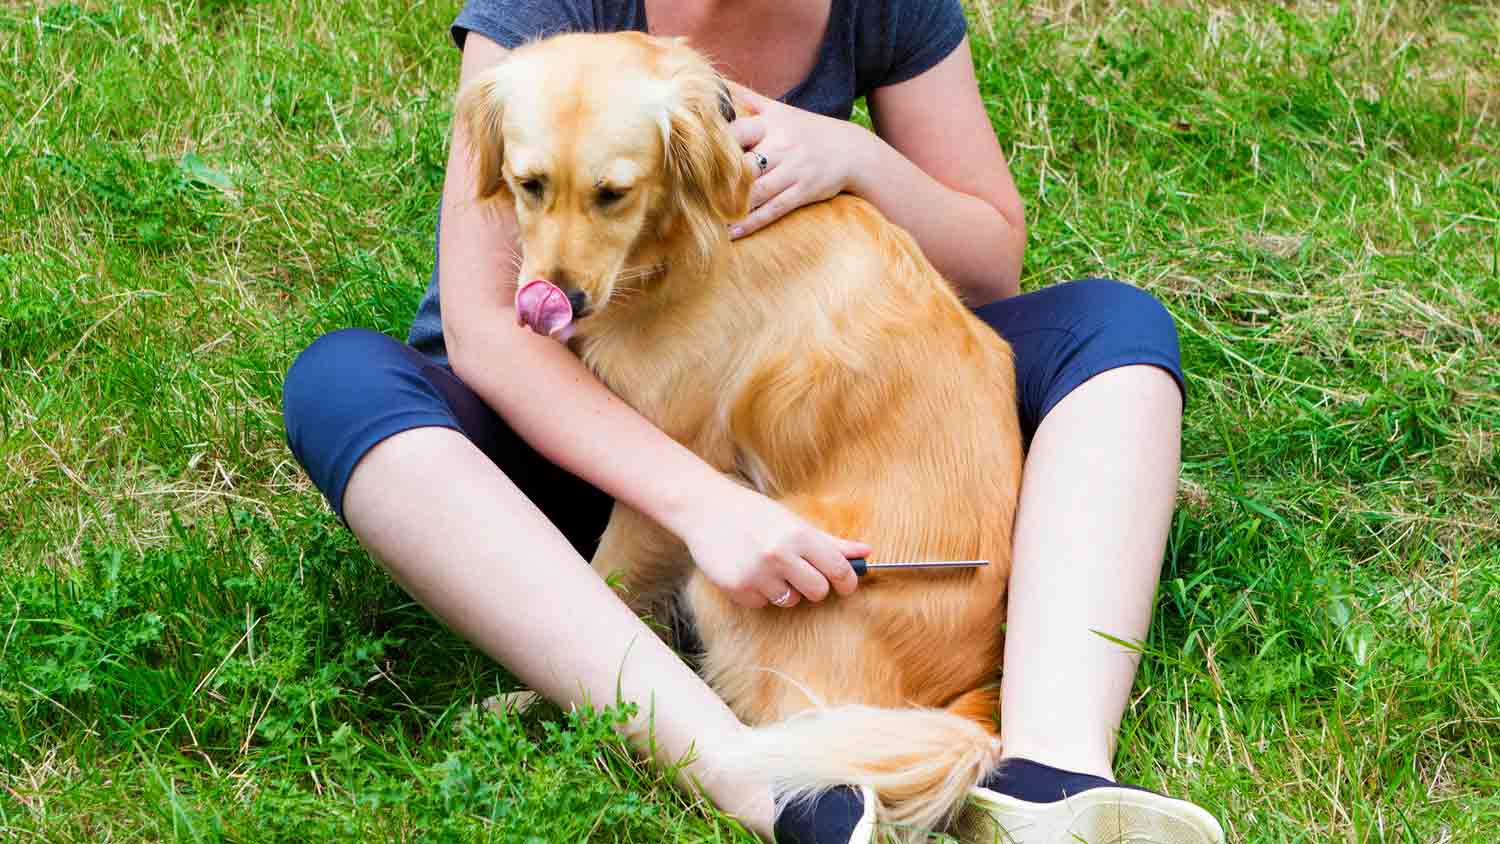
x: 781, y: 602
x: 760, y: 161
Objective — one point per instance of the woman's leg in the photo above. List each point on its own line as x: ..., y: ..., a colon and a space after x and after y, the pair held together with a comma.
x: 481, y: 557
x: 1101, y: 399
x: 408, y: 456
x: 1099, y: 386
x: 1096, y: 502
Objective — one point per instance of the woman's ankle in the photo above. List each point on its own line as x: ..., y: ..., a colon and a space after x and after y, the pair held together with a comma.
x: 747, y: 800
x: 1078, y: 759
x: 758, y: 814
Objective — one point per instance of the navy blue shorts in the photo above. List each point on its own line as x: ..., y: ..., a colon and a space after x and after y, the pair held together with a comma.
x: 353, y: 388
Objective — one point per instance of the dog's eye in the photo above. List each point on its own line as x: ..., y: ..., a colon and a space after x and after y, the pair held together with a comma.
x: 609, y: 196
x: 533, y: 187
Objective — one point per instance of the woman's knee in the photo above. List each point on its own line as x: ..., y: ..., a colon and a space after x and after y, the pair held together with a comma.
x: 1065, y: 334
x: 1124, y: 310
x: 347, y: 392
x: 338, y: 385
x: 323, y: 368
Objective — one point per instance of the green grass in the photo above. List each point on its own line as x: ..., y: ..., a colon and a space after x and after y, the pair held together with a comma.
x: 192, y: 649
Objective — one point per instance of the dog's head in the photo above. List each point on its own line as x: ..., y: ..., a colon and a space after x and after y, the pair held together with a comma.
x: 616, y: 152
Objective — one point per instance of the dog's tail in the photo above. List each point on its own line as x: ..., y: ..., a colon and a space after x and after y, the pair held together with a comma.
x: 920, y: 763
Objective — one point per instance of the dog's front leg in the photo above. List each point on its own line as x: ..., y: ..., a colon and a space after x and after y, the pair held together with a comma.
x: 647, y: 562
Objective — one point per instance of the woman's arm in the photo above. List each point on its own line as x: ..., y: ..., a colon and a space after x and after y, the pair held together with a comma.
x: 746, y: 543
x: 533, y: 382
x: 933, y: 167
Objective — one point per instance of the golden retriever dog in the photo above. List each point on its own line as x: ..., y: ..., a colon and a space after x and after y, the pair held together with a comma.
x: 822, y: 361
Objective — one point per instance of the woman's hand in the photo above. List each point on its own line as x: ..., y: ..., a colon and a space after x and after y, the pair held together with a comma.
x: 807, y: 157
x: 760, y: 552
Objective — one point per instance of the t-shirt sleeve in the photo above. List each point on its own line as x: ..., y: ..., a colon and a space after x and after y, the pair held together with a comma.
x: 511, y: 23
x: 922, y: 33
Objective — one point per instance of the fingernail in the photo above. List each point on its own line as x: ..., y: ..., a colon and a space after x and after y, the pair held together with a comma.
x: 736, y: 231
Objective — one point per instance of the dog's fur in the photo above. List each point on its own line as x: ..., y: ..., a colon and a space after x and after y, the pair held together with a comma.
x: 822, y: 361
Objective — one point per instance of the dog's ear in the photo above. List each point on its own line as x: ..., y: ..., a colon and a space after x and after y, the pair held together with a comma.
x: 481, y: 111
x: 704, y: 164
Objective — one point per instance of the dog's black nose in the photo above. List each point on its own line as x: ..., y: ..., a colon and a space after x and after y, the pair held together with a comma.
x: 580, y: 302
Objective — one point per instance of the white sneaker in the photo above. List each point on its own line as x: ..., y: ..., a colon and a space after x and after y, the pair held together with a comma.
x: 864, y: 831
x: 1103, y: 815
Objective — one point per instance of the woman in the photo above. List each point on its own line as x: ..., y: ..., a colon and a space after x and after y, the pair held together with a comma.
x: 479, y: 461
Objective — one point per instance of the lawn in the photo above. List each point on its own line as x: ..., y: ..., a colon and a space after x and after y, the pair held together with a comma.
x: 193, y: 649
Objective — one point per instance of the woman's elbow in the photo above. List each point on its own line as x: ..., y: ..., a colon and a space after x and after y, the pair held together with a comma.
x: 1010, y: 286
x: 1000, y: 277
x: 464, y: 356
x: 991, y: 290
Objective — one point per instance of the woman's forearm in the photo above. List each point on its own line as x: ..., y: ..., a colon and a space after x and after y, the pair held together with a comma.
x: 971, y: 243
x: 539, y: 387
x: 563, y: 411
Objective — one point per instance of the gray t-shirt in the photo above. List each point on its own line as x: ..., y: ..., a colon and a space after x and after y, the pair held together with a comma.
x: 867, y: 44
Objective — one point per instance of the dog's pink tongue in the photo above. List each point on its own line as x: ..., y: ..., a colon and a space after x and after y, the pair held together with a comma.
x: 543, y: 308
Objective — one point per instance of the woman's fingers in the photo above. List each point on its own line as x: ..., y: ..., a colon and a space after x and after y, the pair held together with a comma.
x: 833, y: 564
x: 748, y: 131
x: 851, y: 549
x: 771, y: 183
x: 780, y: 593
x: 771, y: 210
x: 749, y: 97
x: 805, y: 578
x: 812, y: 575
